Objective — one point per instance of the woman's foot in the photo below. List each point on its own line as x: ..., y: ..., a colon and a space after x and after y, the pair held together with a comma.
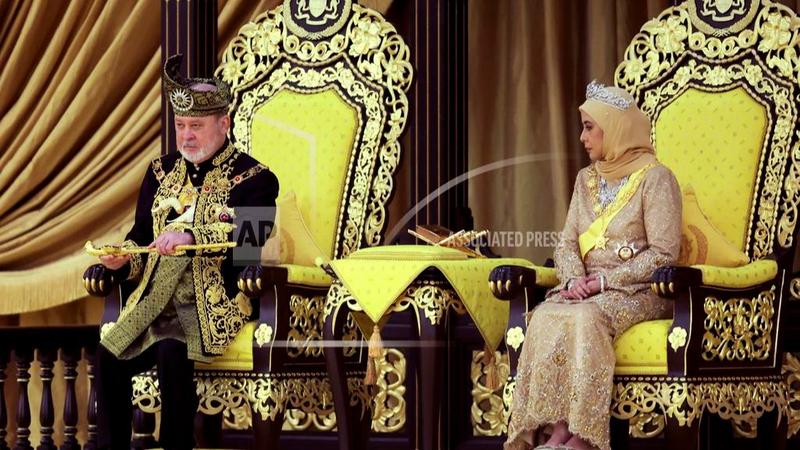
x: 560, y: 434
x: 579, y: 444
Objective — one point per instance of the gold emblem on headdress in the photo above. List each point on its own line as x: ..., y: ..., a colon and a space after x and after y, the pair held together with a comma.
x: 181, y: 99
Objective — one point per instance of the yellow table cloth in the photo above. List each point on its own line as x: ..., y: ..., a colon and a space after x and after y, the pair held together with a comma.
x: 376, y: 277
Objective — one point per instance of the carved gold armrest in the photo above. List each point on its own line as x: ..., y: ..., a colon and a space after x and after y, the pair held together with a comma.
x: 670, y: 280
x: 506, y: 281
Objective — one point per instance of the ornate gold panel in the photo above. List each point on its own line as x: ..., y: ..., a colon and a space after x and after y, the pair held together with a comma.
x: 489, y: 412
x: 794, y: 288
x: 432, y: 299
x: 766, y: 46
x: 738, y: 328
x: 368, y: 63
x: 791, y: 370
x: 305, y: 327
x: 389, y: 407
x: 640, y: 399
x: 306, y: 402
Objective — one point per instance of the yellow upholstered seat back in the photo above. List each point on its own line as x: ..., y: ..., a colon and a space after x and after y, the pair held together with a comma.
x: 713, y: 142
x: 721, y: 88
x: 307, y: 141
x: 322, y: 101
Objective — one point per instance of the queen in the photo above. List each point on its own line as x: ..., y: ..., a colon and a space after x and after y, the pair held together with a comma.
x: 624, y: 221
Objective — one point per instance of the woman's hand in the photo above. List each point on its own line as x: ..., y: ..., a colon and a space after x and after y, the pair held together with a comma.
x: 582, y: 288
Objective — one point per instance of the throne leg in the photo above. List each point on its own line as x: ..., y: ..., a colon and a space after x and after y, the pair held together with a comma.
x: 352, y: 432
x: 619, y: 434
x: 430, y: 374
x: 267, y: 432
x: 771, y: 433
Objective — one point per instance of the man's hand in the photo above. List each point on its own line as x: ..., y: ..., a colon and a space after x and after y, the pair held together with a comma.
x: 114, y: 262
x: 166, y: 242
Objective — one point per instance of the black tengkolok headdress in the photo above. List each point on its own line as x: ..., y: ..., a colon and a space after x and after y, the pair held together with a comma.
x: 186, y: 101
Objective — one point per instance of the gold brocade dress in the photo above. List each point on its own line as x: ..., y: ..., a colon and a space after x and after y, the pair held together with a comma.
x: 566, y: 367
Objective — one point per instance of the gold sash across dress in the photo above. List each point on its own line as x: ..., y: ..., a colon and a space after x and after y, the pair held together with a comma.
x: 566, y: 368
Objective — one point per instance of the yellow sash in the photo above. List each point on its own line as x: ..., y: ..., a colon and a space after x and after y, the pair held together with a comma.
x: 594, y: 236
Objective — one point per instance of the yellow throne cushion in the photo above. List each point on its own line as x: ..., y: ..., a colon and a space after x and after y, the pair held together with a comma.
x: 292, y: 243
x: 642, y: 349
x: 702, y: 242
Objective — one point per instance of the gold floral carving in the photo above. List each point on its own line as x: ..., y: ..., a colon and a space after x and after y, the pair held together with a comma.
x: 794, y: 288
x: 389, y: 407
x: 431, y: 300
x: 297, y: 420
x: 368, y: 63
x: 305, y: 401
x: 489, y: 412
x: 263, y: 334
x: 514, y: 337
x: 677, y: 338
x: 738, y: 328
x: 305, y: 325
x: 791, y: 372
x: 434, y: 301
x: 743, y: 400
x: 351, y: 337
x: 339, y: 296
x: 146, y: 394
x: 646, y: 425
x: 746, y: 429
x: 763, y: 58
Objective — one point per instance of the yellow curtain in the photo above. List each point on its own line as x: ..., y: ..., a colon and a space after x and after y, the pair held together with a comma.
x: 79, y: 121
x: 529, y: 63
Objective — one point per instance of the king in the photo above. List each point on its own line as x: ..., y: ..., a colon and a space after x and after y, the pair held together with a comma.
x: 181, y: 308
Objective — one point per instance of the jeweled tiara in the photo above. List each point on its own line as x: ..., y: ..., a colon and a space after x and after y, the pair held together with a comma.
x: 600, y: 93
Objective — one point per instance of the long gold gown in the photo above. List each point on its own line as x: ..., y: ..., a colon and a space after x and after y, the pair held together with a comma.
x: 566, y: 367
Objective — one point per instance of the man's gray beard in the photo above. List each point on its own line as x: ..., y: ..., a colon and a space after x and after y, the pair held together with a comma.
x: 199, y: 156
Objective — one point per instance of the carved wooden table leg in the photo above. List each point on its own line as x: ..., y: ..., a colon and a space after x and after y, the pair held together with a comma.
x: 350, y: 436
x: 431, y: 338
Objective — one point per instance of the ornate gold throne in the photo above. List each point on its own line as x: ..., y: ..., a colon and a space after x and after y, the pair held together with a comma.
x: 319, y: 98
x: 720, y: 83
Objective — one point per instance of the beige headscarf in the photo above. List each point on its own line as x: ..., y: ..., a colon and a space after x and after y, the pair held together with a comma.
x: 626, y: 131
